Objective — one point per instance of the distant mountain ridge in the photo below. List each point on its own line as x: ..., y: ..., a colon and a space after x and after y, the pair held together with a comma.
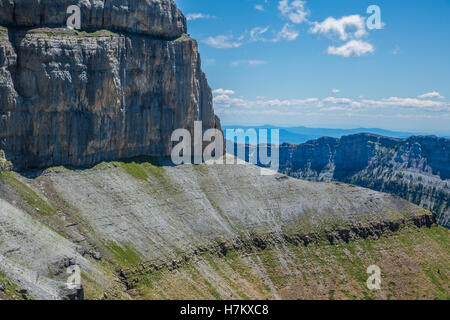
x: 297, y: 135
x: 416, y: 169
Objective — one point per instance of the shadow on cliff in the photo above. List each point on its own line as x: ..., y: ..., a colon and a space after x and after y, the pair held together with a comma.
x: 156, y: 161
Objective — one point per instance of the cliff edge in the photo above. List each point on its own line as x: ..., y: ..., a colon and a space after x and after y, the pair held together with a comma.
x: 415, y: 169
x: 117, y: 88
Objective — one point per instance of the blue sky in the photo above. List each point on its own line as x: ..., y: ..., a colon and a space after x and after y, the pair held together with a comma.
x: 315, y: 63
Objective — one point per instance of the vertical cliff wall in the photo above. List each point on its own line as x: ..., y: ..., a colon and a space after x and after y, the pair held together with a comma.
x: 416, y: 168
x: 117, y: 88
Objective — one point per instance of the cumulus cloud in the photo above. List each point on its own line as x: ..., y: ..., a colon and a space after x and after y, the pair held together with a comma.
x: 431, y: 95
x: 225, y: 102
x: 353, y: 48
x: 295, y: 11
x: 353, y: 26
x: 335, y: 90
x: 350, y: 28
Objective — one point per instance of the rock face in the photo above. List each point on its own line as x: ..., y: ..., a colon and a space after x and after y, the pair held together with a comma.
x: 155, y: 18
x: 145, y: 218
x: 416, y: 169
x: 116, y: 89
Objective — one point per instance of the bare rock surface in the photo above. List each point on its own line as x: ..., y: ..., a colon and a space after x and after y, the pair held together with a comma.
x: 103, y: 93
x: 157, y: 18
x: 71, y: 100
x: 417, y: 168
x: 34, y: 256
x: 155, y: 217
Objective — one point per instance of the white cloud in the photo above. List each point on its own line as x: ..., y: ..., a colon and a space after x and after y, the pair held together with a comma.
x: 196, y: 16
x: 353, y: 48
x: 409, y: 103
x: 334, y: 100
x: 251, y: 63
x: 224, y: 103
x: 335, y: 91
x: 221, y: 91
x: 350, y: 28
x: 288, y: 33
x: 256, y: 32
x: 223, y: 42
x: 431, y: 95
x: 295, y: 10
x: 259, y: 7
x: 345, y: 27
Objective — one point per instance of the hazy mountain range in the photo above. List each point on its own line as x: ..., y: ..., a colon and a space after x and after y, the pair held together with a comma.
x: 297, y: 135
x: 416, y: 168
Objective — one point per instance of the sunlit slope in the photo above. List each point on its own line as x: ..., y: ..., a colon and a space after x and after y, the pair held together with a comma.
x: 141, y: 230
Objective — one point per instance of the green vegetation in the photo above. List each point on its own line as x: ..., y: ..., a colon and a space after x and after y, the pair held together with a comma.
x: 331, y: 294
x: 433, y: 275
x: 3, y: 33
x: 61, y: 32
x: 4, y: 164
x: 11, y: 290
x: 155, y: 171
x: 414, y: 261
x: 183, y: 37
x: 145, y: 169
x: 48, y: 32
x: 102, y: 32
x: 26, y: 193
x: 135, y: 170
x: 125, y: 255
x: 139, y: 168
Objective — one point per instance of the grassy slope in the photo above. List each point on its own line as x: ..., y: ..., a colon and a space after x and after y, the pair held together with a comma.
x: 10, y: 290
x: 414, y: 265
x: 414, y: 262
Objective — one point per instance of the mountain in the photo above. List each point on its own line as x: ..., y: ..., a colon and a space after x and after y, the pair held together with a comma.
x: 416, y: 169
x: 141, y: 229
x: 87, y: 189
x: 297, y: 135
x: 116, y: 89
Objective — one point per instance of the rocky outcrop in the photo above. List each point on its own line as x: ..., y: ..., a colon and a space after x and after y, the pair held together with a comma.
x: 416, y: 169
x: 155, y: 18
x: 116, y: 89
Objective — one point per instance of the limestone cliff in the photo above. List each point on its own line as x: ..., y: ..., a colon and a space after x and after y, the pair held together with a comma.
x: 115, y: 89
x: 144, y: 229
x: 416, y: 169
